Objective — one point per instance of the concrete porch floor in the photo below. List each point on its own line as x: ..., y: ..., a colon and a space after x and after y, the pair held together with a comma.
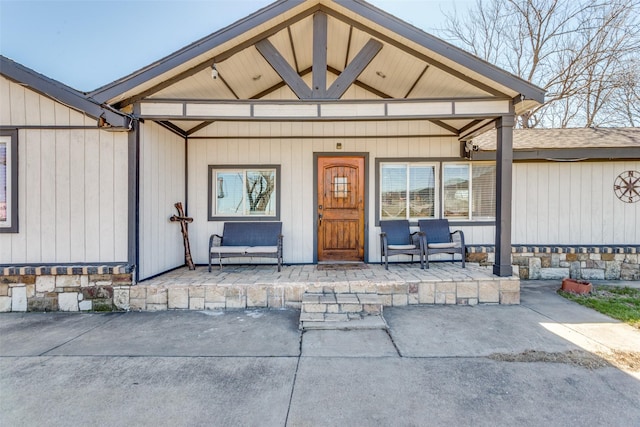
x: 246, y: 286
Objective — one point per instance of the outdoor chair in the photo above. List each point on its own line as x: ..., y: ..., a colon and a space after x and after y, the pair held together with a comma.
x: 439, y: 239
x: 396, y: 239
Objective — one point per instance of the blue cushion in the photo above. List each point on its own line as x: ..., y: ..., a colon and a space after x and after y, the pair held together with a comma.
x: 251, y: 233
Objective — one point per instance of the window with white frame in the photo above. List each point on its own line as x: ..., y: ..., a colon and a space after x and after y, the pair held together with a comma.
x: 469, y: 191
x: 8, y: 181
x: 407, y: 190
x: 243, y: 192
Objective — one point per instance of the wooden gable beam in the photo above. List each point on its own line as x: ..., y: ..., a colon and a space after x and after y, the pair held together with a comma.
x: 293, y: 49
x: 475, y: 128
x: 331, y: 70
x: 205, y: 45
x: 228, y: 86
x: 346, y: 54
x: 354, y: 69
x: 173, y: 128
x: 284, y: 70
x: 200, y: 127
x: 469, y: 126
x: 431, y: 61
x: 445, y: 126
x: 479, y: 110
x: 319, y: 67
x: 413, y: 86
x: 220, y: 57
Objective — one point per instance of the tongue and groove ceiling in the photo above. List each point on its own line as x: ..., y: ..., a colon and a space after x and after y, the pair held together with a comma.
x: 392, y: 73
x: 359, y: 52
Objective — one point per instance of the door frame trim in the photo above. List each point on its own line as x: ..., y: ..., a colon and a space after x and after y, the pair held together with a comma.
x: 364, y: 155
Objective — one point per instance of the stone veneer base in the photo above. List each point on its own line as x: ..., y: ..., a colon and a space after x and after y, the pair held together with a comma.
x: 238, y: 296
x: 65, y: 288
x: 559, y: 262
x: 111, y: 289
x: 107, y: 288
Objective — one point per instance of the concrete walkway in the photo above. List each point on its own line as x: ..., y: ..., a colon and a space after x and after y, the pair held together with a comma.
x: 436, y: 365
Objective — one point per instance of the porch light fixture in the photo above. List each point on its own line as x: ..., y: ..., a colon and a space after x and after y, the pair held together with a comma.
x: 214, y: 71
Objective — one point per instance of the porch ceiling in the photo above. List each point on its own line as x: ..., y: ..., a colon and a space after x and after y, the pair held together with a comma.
x: 370, y: 53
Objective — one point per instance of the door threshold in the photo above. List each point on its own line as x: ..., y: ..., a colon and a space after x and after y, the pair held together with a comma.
x: 340, y: 262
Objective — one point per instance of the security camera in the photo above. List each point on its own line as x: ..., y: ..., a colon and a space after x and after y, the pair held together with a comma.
x: 468, y: 146
x: 475, y: 147
x: 214, y: 72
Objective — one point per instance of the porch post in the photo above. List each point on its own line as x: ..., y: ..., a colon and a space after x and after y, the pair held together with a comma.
x: 504, y: 159
x: 133, y: 173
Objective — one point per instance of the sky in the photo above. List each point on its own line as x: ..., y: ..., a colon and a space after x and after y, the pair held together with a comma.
x: 87, y: 44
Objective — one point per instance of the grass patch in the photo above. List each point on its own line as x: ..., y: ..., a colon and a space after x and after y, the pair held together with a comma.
x: 617, y: 302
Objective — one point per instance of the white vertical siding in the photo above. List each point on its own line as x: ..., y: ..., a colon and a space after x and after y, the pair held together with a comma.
x: 572, y: 204
x: 162, y: 183
x: 295, y: 157
x: 554, y: 203
x: 72, y: 205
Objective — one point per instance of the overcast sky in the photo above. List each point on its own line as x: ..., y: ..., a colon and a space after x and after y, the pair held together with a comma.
x: 89, y: 43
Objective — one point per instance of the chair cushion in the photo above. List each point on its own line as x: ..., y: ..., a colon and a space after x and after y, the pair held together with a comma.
x: 441, y: 245
x: 229, y: 249
x: 262, y: 249
x: 402, y: 247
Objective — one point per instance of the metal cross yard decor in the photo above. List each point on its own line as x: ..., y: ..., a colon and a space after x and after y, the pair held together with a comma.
x: 185, y: 233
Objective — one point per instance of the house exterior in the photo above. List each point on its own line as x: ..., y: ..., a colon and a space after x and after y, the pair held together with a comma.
x: 575, y: 201
x: 327, y: 115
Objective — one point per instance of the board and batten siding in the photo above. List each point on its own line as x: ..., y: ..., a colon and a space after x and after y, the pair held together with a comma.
x: 282, y: 144
x: 72, y: 196
x: 572, y: 204
x: 162, y: 184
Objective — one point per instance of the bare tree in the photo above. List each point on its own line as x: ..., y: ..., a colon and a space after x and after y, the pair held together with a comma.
x: 580, y: 51
x: 624, y: 108
x: 259, y: 188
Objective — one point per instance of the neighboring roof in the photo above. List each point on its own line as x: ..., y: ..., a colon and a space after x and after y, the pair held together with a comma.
x: 284, y: 13
x: 565, y: 138
x: 61, y: 93
x: 565, y: 143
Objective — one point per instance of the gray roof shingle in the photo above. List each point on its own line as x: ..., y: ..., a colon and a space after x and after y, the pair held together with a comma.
x: 565, y: 138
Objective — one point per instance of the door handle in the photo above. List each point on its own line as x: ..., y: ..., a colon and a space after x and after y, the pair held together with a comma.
x: 319, y: 220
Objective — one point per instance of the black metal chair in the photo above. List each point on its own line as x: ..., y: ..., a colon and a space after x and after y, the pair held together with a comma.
x: 439, y: 239
x: 396, y: 239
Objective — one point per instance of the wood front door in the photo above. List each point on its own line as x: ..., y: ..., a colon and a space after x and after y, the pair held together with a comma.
x: 340, y: 209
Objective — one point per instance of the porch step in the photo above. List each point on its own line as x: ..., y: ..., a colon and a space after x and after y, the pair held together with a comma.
x: 341, y: 311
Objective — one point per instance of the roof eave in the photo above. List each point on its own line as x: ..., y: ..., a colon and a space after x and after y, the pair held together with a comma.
x: 467, y: 60
x: 62, y: 93
x: 564, y: 154
x: 120, y: 86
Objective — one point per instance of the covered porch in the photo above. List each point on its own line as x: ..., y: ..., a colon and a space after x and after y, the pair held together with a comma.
x: 251, y: 286
x: 292, y: 97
